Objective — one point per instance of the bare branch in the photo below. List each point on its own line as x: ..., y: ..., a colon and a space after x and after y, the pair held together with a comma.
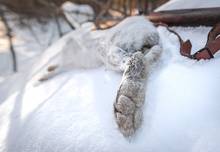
x: 9, y: 35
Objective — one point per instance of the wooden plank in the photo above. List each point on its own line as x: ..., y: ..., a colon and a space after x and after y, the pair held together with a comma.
x: 187, y: 17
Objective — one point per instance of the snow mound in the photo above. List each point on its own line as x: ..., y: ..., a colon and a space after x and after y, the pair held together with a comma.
x: 73, y: 112
x: 187, y: 4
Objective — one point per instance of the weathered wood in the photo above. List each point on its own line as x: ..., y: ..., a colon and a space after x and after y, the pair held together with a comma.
x: 187, y: 17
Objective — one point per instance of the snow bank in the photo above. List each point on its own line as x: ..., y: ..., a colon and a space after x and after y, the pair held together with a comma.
x: 187, y: 4
x: 73, y: 111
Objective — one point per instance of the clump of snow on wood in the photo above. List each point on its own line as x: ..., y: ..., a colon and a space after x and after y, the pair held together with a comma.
x: 187, y: 4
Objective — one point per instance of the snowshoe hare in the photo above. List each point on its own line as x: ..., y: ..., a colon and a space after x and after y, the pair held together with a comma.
x: 130, y: 47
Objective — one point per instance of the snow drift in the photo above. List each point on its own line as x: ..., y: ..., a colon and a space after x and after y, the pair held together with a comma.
x: 73, y: 111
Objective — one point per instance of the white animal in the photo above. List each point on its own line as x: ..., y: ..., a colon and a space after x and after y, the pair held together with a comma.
x: 131, y: 47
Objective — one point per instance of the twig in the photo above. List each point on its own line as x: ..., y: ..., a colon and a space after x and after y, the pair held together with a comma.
x: 67, y: 21
x: 58, y: 25
x: 9, y: 35
x: 103, y: 11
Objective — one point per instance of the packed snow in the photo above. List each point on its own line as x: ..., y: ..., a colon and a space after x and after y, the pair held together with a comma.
x: 188, y: 4
x: 73, y: 112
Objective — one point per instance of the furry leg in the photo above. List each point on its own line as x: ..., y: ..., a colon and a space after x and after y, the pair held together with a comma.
x: 131, y: 94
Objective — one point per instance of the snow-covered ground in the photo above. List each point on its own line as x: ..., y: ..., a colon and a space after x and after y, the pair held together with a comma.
x: 73, y: 112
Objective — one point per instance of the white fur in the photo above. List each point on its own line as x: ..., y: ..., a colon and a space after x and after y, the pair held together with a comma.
x: 112, y: 47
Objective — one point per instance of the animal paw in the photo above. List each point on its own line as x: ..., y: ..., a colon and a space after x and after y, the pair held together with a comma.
x: 131, y: 96
x: 128, y: 115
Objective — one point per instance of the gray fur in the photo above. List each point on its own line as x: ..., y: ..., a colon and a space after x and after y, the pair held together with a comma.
x: 132, y: 90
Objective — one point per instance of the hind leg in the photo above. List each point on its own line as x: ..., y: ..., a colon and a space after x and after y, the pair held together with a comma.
x: 131, y: 94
